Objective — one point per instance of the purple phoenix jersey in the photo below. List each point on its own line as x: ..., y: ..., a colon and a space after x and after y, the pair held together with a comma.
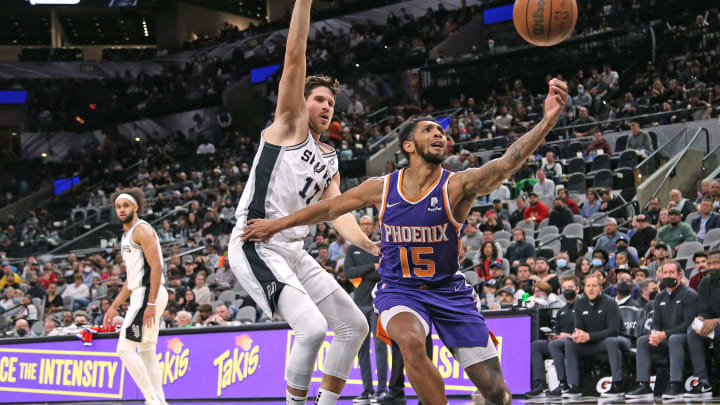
x: 419, y: 265
x: 420, y: 238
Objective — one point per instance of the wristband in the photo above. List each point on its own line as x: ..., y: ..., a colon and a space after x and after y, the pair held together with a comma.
x: 151, y: 304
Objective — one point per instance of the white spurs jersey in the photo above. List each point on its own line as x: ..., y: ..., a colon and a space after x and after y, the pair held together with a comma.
x: 284, y: 179
x: 138, y: 270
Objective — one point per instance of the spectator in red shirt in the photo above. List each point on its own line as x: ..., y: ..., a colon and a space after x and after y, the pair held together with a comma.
x: 700, y: 259
x: 335, y: 131
x: 598, y: 143
x: 563, y: 195
x: 48, y: 277
x: 536, y: 211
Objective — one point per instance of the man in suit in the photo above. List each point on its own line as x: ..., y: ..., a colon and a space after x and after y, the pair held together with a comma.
x: 707, y: 219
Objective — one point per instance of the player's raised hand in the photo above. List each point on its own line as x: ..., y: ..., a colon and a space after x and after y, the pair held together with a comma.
x: 556, y: 99
x: 258, y: 230
x: 109, y: 315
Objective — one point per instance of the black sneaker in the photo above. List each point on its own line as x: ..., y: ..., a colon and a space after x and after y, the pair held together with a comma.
x: 701, y: 390
x: 616, y: 390
x: 538, y: 392
x: 674, y: 391
x: 642, y: 391
x: 390, y: 398
x: 365, y: 398
x: 572, y: 392
x: 558, y: 391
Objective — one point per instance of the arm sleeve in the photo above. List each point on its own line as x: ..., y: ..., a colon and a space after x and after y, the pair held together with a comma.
x: 657, y: 316
x: 703, y: 303
x: 689, y: 305
x: 612, y: 323
x: 691, y: 237
x: 579, y: 321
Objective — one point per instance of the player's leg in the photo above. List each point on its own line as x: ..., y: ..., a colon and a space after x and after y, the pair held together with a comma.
x: 148, y: 349
x: 310, y: 328
x: 485, y: 374
x: 409, y: 331
x: 263, y: 271
x: 344, y: 318
x: 127, y: 350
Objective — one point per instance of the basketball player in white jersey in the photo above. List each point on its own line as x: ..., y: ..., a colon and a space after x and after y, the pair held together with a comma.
x: 142, y: 256
x: 292, y: 170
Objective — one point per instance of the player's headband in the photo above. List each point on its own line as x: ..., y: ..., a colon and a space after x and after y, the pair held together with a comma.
x: 127, y: 197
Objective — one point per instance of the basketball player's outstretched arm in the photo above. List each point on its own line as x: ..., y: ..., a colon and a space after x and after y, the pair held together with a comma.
x: 291, y: 118
x: 467, y: 185
x: 346, y: 224
x: 145, y: 237
x: 366, y: 194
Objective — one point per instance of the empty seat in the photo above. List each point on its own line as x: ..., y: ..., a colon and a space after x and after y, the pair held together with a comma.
x: 628, y: 159
x: 712, y: 237
x: 576, y: 165
x: 600, y: 162
x: 576, y: 147
x: 246, y: 314
x: 573, y: 230
x: 548, y: 230
x: 688, y: 249
x: 621, y: 143
x: 603, y: 179
x: 472, y: 277
x: 625, y: 178
x: 502, y: 235
x: 576, y: 183
x: 227, y: 297
x: 544, y: 223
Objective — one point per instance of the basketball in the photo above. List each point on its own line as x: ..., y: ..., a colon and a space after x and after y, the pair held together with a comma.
x: 545, y: 22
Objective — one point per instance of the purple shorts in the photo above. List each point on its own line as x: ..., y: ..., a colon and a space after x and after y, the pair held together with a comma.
x: 450, y: 307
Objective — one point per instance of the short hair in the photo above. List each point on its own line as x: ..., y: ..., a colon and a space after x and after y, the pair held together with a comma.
x: 713, y: 252
x: 136, y: 193
x: 323, y: 247
x: 204, y: 307
x: 184, y: 314
x: 524, y: 265
x: 645, y: 284
x: 407, y: 130
x: 595, y: 276
x: 520, y: 229
x: 543, y: 286
x: 311, y: 82
x: 172, y: 310
x: 707, y: 200
x: 678, y: 267
x: 570, y: 277
x: 699, y: 253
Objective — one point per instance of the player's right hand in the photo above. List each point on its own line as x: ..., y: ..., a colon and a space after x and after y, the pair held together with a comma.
x: 109, y: 315
x: 258, y: 230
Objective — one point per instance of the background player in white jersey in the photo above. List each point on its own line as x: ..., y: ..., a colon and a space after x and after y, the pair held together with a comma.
x: 291, y: 170
x: 144, y: 285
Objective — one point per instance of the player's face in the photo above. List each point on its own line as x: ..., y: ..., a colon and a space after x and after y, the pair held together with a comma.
x: 125, y: 210
x: 430, y: 142
x: 321, y: 107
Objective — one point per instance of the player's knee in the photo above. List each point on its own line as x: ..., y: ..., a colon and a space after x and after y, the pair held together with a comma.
x: 313, y: 333
x: 412, y: 346
x: 358, y: 326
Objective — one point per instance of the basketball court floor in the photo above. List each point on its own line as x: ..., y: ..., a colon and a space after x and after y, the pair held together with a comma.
x: 453, y: 401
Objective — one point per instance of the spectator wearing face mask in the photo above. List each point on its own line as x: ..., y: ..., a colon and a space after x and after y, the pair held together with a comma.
x: 554, y: 346
x: 88, y: 274
x: 648, y: 291
x: 621, y: 246
x: 623, y: 289
x: 542, y: 296
x: 22, y: 329
x: 674, y: 310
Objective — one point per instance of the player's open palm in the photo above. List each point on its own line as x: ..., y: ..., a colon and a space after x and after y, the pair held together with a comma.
x: 556, y: 99
x: 109, y: 315
x: 258, y: 230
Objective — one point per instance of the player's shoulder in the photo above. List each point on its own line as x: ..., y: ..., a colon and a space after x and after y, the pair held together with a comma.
x: 325, y: 149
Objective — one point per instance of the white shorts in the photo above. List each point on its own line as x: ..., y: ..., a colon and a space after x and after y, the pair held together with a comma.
x: 262, y: 267
x: 149, y: 335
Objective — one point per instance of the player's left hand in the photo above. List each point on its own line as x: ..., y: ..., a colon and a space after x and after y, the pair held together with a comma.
x: 149, y: 316
x: 556, y: 99
x: 373, y: 248
x: 708, y: 326
x: 258, y: 230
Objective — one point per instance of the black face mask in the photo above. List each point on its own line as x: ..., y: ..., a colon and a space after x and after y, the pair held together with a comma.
x: 624, y: 288
x: 558, y: 208
x: 621, y: 248
x: 570, y: 294
x: 669, y: 282
x: 714, y: 275
x: 653, y: 294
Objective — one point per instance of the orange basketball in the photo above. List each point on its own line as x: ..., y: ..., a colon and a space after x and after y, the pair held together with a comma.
x: 545, y: 22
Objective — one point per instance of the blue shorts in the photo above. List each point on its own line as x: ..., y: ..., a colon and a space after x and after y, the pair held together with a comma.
x: 451, y: 308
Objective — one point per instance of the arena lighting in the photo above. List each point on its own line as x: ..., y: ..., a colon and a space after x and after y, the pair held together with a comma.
x: 53, y: 2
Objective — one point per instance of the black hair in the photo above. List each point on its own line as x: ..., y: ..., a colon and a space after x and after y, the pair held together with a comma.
x: 407, y: 131
x: 136, y: 193
x: 699, y: 253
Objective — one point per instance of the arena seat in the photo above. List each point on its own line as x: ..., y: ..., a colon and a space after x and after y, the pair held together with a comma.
x: 576, y: 165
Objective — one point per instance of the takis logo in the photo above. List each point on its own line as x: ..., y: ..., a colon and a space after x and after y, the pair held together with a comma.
x: 174, y: 362
x: 240, y: 365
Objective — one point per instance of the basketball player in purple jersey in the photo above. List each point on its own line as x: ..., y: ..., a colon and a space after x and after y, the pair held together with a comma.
x: 422, y: 209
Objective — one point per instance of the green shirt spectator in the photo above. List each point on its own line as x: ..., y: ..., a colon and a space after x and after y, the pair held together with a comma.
x: 676, y: 231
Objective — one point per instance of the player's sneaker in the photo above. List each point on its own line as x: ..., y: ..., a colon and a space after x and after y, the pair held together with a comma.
x: 702, y: 390
x: 642, y: 391
x: 557, y: 392
x: 365, y: 398
x: 573, y: 392
x: 390, y: 398
x: 617, y: 390
x: 539, y: 391
x: 674, y: 392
